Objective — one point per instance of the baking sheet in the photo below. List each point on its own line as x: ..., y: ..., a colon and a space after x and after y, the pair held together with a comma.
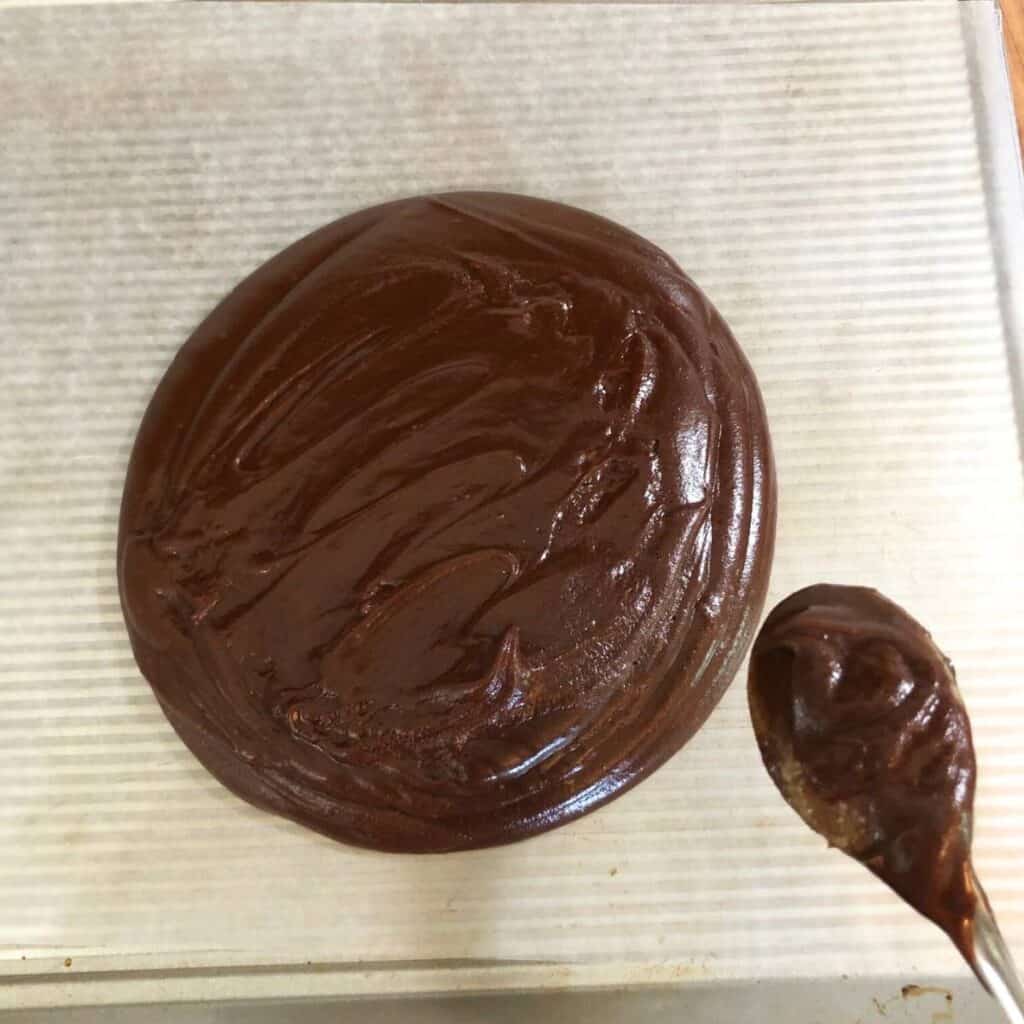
x: 816, y: 168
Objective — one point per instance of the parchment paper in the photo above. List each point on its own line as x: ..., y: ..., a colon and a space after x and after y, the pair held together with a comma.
x: 814, y: 167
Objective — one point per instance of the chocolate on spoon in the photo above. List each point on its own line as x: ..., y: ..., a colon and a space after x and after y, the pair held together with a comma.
x: 862, y: 728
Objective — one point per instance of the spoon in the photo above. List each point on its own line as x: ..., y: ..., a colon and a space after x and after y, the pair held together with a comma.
x: 992, y: 962
x: 862, y: 728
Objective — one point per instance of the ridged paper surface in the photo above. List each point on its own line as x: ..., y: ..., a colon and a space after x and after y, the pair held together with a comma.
x: 814, y: 167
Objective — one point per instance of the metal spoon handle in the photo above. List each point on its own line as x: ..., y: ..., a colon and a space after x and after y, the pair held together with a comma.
x: 992, y: 961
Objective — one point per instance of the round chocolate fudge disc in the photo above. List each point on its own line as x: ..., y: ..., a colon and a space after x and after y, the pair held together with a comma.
x: 449, y: 524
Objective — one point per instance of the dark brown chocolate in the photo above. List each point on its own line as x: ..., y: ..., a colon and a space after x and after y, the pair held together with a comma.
x: 861, y: 725
x: 450, y: 523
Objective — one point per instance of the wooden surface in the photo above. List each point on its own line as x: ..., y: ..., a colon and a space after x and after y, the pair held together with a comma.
x: 1013, y: 30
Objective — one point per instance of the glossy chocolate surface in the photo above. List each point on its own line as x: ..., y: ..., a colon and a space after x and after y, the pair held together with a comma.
x: 450, y: 523
x: 861, y: 725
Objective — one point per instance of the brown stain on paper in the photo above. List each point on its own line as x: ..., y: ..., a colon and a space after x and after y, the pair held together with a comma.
x: 908, y: 992
x: 944, y: 1016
